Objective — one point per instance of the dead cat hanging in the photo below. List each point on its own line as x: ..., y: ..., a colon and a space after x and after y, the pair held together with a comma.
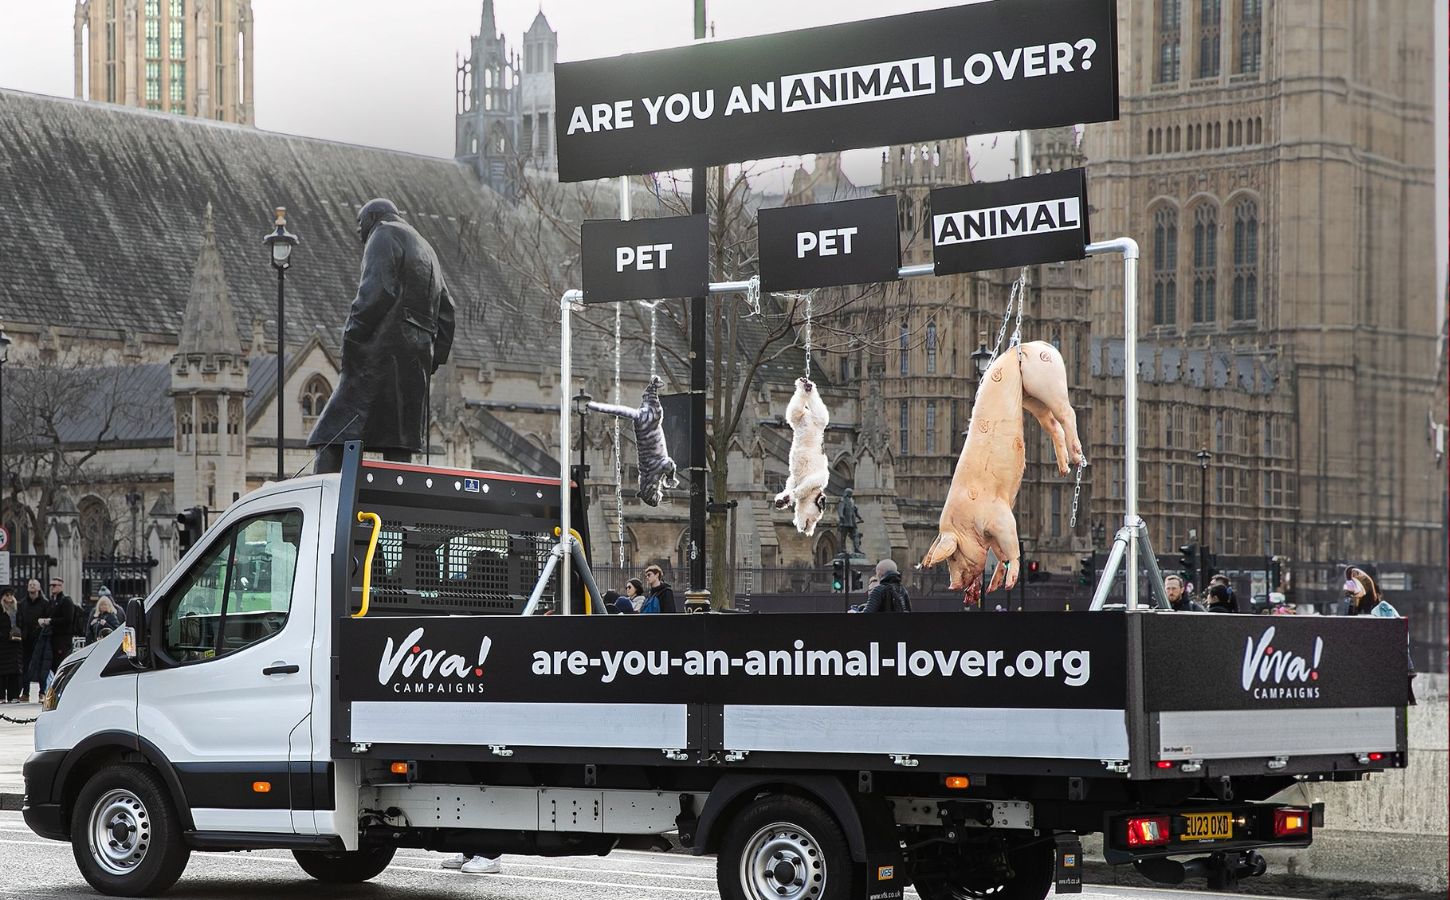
x: 656, y: 469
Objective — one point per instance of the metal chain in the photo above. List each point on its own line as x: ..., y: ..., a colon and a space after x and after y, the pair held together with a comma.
x: 1076, y: 491
x: 653, y: 337
x: 1021, y: 290
x: 5, y: 718
x: 752, y: 296
x: 806, y: 333
x: 1017, y: 299
x: 618, y: 464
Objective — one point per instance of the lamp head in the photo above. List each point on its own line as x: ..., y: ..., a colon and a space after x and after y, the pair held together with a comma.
x: 281, y: 241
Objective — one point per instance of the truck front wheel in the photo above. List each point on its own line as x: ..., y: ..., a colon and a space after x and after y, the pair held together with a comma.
x: 344, y: 866
x: 784, y: 847
x: 125, y: 834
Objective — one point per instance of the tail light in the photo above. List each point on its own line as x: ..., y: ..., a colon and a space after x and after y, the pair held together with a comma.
x: 1291, y: 822
x: 1148, y: 831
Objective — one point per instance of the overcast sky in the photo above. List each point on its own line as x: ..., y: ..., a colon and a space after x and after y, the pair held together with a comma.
x: 381, y: 72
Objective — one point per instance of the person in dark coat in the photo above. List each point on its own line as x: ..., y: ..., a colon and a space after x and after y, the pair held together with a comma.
x: 661, y: 598
x: 11, y: 642
x: 1221, y: 599
x: 399, y: 331
x: 33, y: 607
x: 888, y: 595
x: 63, y: 613
x: 104, y: 620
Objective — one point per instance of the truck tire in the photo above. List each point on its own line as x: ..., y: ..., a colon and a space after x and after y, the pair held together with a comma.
x: 344, y: 866
x: 1032, y: 879
x: 784, y: 847
x: 125, y: 834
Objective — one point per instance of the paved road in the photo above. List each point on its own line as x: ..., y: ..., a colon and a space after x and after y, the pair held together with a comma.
x: 34, y: 868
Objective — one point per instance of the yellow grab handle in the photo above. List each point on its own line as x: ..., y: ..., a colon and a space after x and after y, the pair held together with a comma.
x: 588, y: 601
x: 367, y: 584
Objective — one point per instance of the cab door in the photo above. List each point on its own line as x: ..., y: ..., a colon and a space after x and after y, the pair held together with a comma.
x: 232, y: 680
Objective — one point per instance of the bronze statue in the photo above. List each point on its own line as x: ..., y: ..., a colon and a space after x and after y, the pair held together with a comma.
x: 398, y: 333
x: 849, y: 522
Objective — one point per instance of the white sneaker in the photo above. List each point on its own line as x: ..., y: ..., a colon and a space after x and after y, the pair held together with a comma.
x: 456, y: 861
x: 481, y: 865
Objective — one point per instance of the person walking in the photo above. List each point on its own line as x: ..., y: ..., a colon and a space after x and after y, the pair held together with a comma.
x: 473, y: 864
x: 63, y: 622
x: 103, y: 621
x: 1221, y: 599
x: 1361, y: 594
x: 11, y: 641
x: 1178, y: 598
x: 888, y: 595
x: 635, y: 594
x: 661, y: 598
x: 33, y: 608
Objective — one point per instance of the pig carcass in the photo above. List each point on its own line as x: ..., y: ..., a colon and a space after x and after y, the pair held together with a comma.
x: 1044, y: 394
x: 977, y: 515
x: 805, y: 486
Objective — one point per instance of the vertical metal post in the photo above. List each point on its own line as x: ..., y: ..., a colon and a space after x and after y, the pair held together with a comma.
x: 1129, y: 248
x: 1203, y: 520
x: 566, y: 379
x: 697, y: 385
x: 281, y: 371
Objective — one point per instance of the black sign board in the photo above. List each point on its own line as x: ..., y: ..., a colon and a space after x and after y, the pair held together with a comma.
x: 825, y: 244
x: 646, y: 259
x: 1273, y: 662
x: 1021, y: 222
x: 1028, y: 660
x: 942, y: 73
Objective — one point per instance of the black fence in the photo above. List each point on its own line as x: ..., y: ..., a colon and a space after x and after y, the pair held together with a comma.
x: 125, y: 577
x: 25, y: 566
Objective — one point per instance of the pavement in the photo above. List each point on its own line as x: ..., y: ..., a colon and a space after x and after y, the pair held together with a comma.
x: 37, y: 869
x: 16, y: 743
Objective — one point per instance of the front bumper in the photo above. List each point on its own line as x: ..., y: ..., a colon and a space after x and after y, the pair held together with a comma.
x: 42, y: 809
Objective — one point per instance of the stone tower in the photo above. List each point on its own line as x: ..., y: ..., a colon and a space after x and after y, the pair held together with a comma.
x: 536, y: 97
x: 209, y: 386
x: 488, y: 95
x: 189, y: 57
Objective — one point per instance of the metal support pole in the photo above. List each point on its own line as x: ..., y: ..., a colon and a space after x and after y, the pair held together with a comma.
x: 567, y: 303
x: 698, y: 589
x: 281, y: 371
x: 1110, y: 568
x: 1129, y: 248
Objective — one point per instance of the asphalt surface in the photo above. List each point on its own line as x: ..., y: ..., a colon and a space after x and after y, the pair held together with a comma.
x: 35, y: 868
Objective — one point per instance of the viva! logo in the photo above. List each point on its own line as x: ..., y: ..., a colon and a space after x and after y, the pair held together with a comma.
x: 1265, y: 664
x: 414, y: 661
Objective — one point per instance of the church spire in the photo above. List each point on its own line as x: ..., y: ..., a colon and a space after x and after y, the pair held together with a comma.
x: 208, y: 326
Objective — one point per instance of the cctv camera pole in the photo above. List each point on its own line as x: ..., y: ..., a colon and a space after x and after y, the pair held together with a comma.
x: 698, y: 595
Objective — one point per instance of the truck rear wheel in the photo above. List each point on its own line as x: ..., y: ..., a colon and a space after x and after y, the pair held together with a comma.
x: 1030, y: 877
x: 344, y: 866
x: 125, y: 833
x: 787, y: 848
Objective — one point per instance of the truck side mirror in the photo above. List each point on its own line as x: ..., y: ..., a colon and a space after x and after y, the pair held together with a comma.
x: 137, y: 641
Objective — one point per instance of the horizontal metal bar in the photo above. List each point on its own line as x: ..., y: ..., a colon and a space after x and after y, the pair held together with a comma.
x: 740, y: 287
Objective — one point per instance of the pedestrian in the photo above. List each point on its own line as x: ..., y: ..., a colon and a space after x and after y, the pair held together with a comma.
x: 66, y: 622
x: 474, y: 863
x: 1178, y: 598
x: 11, y: 641
x: 635, y: 593
x: 888, y: 595
x: 661, y: 598
x: 1361, y: 594
x: 1221, y: 599
x: 103, y: 620
x: 32, y: 609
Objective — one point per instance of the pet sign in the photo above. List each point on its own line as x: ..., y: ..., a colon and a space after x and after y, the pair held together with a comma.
x: 1021, y: 222
x: 646, y: 259
x: 942, y: 73
x: 825, y: 244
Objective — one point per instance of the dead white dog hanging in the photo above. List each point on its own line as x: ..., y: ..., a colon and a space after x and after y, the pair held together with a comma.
x: 805, y: 487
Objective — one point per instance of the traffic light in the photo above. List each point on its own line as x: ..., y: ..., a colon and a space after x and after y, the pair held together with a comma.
x: 1210, y: 560
x: 1276, y: 573
x: 1035, y: 572
x: 838, y: 574
x: 1188, y: 561
x: 856, y: 582
x: 1087, y: 569
x: 189, y: 526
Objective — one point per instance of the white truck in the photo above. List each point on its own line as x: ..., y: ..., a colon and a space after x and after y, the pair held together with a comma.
x: 340, y: 667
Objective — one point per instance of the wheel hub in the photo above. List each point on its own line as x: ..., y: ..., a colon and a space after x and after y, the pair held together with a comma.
x: 120, y: 831
x: 782, y: 862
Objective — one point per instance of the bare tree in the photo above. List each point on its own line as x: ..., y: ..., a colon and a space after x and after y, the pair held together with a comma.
x: 61, y: 409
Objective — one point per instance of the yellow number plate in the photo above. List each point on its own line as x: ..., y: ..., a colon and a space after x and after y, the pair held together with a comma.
x: 1213, y: 826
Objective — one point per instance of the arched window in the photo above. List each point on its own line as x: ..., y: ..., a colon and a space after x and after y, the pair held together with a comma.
x: 1205, y: 263
x: 1209, y: 13
x: 1250, y: 43
x: 903, y: 343
x: 98, y: 532
x: 931, y: 348
x: 1165, y: 265
x: 1246, y: 261
x: 315, y: 394
x: 1168, y: 39
x: 184, y: 426
x: 208, y: 424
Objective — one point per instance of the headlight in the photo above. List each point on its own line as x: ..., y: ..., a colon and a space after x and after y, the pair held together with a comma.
x: 62, y: 678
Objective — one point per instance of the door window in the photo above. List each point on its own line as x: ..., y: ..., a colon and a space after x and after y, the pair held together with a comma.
x: 239, y: 593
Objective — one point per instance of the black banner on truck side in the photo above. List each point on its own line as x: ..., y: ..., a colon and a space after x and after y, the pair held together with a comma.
x: 646, y: 259
x: 826, y: 244
x: 1228, y: 662
x: 1022, y: 222
x: 943, y: 73
x: 1025, y: 660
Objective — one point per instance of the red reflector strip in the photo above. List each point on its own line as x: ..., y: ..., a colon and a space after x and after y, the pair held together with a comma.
x: 1376, y: 757
x: 1149, y: 831
x: 1164, y: 764
x: 1291, y: 822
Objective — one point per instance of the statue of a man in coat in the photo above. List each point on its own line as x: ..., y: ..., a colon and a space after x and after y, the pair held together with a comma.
x: 398, y: 333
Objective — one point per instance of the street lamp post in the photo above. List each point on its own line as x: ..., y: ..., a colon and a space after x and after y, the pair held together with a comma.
x: 280, y: 243
x: 4, y: 355
x: 581, y: 406
x: 1203, y: 458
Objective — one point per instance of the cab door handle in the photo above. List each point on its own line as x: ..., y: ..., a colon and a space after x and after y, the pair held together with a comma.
x: 280, y: 669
